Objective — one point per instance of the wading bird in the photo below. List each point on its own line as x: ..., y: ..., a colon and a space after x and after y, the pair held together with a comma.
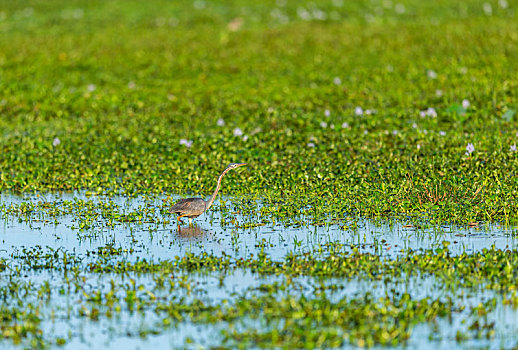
x: 194, y: 207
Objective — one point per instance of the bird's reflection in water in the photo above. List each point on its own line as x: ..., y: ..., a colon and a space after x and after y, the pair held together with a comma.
x: 191, y: 232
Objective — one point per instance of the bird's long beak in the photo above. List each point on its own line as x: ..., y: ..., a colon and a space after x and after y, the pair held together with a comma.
x: 241, y: 164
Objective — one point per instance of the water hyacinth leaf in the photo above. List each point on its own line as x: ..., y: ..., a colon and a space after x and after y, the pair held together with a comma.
x: 456, y: 108
x: 508, y: 115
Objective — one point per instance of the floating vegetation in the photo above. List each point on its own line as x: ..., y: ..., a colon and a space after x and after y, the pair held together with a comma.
x: 379, y: 206
x: 305, y: 292
x: 313, y: 316
x: 93, y: 114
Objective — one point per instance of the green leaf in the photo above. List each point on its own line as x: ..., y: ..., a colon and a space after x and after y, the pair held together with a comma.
x: 456, y: 108
x: 508, y: 116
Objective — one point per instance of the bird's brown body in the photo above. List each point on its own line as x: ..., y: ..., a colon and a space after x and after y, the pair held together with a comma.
x: 189, y: 207
x: 193, y: 207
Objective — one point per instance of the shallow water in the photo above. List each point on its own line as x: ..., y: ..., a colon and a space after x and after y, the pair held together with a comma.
x: 163, y: 240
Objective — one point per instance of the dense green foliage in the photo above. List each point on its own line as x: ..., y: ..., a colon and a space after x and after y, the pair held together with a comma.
x: 120, y: 83
x: 343, y: 110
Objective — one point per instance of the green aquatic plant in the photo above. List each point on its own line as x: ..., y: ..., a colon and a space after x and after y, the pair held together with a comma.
x: 344, y: 110
x: 314, y: 318
x: 283, y: 85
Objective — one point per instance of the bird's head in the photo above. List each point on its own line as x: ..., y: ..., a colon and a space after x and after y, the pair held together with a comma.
x: 235, y: 165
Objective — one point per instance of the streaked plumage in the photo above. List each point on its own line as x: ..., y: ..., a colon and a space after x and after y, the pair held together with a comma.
x: 194, y: 207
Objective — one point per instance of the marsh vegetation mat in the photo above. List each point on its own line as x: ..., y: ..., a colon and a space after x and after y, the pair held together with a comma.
x: 378, y: 207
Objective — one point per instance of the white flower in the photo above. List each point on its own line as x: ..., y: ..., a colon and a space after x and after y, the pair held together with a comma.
x: 319, y: 14
x: 311, y: 145
x: 332, y: 126
x: 465, y: 104
x: 442, y: 133
x: 414, y: 126
x: 131, y: 85
x: 327, y: 112
x: 279, y: 15
x: 56, y: 142
x: 245, y: 138
x: 186, y: 143
x: 323, y: 124
x: 418, y: 146
x: 358, y: 111
x: 431, y: 74
x: 345, y: 125
x: 438, y: 92
x: 422, y: 114
x: 399, y: 8
x: 365, y: 132
x: 513, y: 148
x: 91, y: 87
x: 220, y: 122
x: 488, y: 9
x: 503, y: 3
x: 469, y: 148
x: 337, y: 81
x: 238, y: 132
x: 303, y: 14
x: 431, y: 112
x: 394, y: 132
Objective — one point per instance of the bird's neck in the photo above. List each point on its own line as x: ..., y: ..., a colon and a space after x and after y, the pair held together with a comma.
x: 211, y: 200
